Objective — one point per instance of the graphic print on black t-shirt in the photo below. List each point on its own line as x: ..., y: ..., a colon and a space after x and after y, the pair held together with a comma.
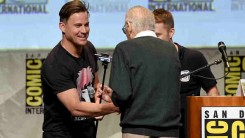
x: 84, y: 87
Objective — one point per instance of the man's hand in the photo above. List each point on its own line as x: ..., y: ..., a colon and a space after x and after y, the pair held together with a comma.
x: 107, y: 92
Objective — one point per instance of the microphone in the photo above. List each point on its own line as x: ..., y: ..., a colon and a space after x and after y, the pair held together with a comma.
x: 222, y: 49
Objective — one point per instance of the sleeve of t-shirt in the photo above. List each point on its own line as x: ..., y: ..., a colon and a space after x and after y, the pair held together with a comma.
x: 206, y: 84
x: 120, y: 79
x: 57, y: 77
x: 90, y: 51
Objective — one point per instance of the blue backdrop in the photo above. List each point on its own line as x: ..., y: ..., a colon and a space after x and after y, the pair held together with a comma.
x: 32, y: 24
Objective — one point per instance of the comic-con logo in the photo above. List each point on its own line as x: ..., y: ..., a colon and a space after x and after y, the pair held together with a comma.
x: 237, y: 70
x: 223, y: 122
x: 182, y: 5
x: 34, y: 92
x: 23, y: 6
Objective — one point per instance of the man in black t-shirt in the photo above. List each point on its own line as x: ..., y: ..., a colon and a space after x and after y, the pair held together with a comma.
x: 70, y: 78
x: 190, y: 60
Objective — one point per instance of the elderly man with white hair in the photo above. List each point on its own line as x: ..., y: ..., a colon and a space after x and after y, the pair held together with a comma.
x: 144, y: 80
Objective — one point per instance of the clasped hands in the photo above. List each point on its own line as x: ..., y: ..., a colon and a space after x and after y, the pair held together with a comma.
x: 105, y: 94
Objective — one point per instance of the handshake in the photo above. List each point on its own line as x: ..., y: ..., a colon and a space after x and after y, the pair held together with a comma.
x: 104, y: 94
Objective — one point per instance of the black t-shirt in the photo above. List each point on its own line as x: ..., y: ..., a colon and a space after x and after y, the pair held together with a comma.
x: 62, y: 71
x: 191, y: 85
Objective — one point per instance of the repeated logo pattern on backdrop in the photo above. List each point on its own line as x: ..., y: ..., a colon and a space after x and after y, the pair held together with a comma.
x: 23, y: 6
x: 237, y: 72
x: 34, y: 92
x: 182, y: 5
x: 199, y: 23
x: 103, y: 6
x: 237, y: 5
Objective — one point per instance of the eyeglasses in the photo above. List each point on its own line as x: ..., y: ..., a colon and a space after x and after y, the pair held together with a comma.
x: 124, y: 28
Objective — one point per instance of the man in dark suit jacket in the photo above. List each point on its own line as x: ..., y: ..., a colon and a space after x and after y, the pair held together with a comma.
x: 144, y: 78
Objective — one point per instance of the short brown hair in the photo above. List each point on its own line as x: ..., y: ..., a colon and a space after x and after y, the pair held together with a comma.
x: 164, y: 16
x: 72, y: 7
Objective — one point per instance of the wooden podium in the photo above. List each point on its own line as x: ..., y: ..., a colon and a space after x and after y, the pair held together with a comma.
x: 195, y: 103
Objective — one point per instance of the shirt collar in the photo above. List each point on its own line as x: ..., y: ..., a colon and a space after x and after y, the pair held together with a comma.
x: 146, y: 33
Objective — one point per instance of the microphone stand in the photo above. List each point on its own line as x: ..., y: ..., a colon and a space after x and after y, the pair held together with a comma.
x: 105, y: 59
x: 216, y: 62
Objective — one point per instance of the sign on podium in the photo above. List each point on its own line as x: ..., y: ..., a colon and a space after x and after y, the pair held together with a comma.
x: 216, y: 117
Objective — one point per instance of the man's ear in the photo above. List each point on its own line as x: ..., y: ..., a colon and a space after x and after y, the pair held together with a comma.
x: 130, y: 28
x: 171, y: 33
x: 62, y: 27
